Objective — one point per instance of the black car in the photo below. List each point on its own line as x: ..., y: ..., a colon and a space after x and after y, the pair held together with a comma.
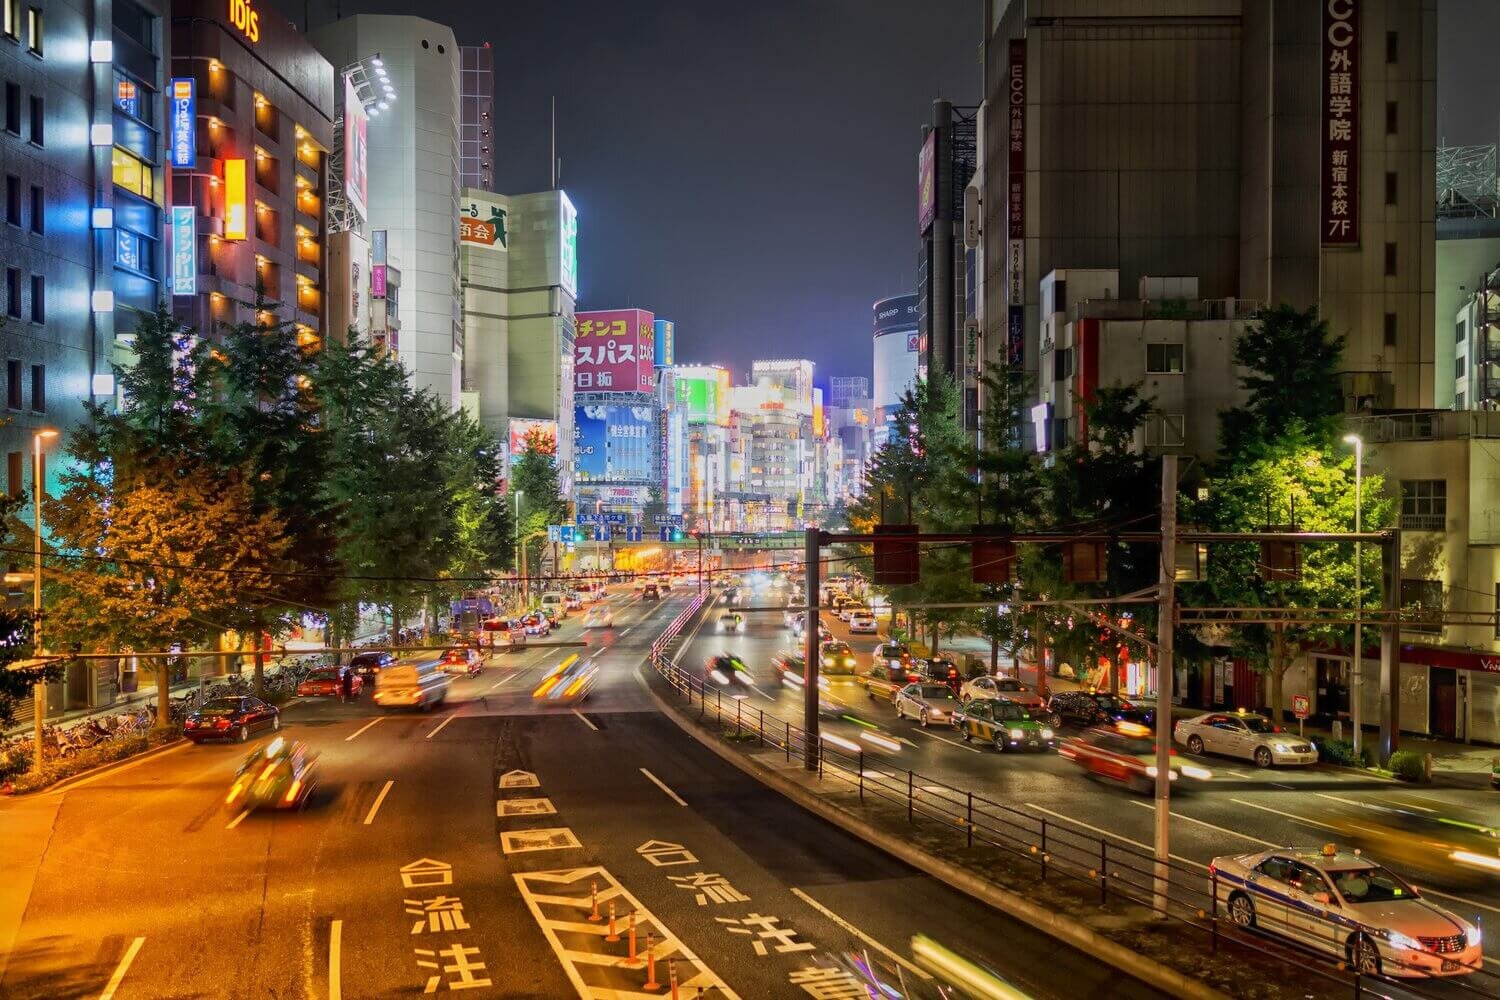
x: 232, y: 718
x: 650, y: 593
x: 370, y: 663
x: 1093, y: 708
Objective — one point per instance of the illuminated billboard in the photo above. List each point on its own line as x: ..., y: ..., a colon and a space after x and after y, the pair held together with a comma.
x: 482, y: 223
x: 927, y: 184
x: 524, y: 429
x: 235, y: 213
x: 356, y: 146
x: 184, y: 250
x: 589, y: 443
x: 613, y: 351
x: 183, y: 137
x: 705, y: 390
x: 666, y: 336
x: 568, y: 259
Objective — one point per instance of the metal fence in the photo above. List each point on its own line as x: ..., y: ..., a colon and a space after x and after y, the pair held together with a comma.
x: 1061, y: 850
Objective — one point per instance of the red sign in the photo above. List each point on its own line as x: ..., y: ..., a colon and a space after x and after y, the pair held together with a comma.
x: 614, y: 350
x: 1340, y: 124
x: 1301, y: 708
x: 1015, y: 203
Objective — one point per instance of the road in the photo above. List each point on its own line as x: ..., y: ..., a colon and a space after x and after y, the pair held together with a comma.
x: 448, y: 849
x: 1241, y: 810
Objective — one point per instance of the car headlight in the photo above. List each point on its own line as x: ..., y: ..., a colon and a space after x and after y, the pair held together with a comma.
x: 1282, y: 747
x: 1473, y: 937
x: 1399, y: 940
x: 1016, y: 734
x: 1048, y: 734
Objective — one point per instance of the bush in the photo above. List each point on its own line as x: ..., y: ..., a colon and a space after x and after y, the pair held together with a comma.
x: 60, y: 768
x: 1342, y: 752
x: 15, y: 763
x: 1408, y: 766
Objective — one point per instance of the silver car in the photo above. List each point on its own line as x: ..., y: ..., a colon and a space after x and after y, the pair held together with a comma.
x: 928, y: 703
x: 1244, y: 734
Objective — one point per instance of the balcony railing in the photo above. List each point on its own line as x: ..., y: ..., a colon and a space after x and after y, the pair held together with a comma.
x: 1424, y: 522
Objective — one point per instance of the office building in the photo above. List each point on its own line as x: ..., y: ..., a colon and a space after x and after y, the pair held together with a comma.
x: 1468, y: 280
x: 946, y: 161
x: 251, y: 130
x: 413, y: 182
x: 476, y: 114
x: 897, y: 347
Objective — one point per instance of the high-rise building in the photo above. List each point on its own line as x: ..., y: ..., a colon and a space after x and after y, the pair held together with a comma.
x: 1277, y: 151
x: 413, y: 182
x: 946, y: 161
x: 476, y: 117
x: 842, y: 389
x: 897, y: 352
x: 248, y: 143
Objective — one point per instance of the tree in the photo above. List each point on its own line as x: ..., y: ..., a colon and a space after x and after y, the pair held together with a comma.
x: 160, y: 555
x: 479, y: 520
x: 535, y: 476
x: 1292, y: 363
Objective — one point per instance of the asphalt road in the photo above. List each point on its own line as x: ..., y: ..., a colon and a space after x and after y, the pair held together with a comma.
x: 442, y: 850
x: 1241, y: 810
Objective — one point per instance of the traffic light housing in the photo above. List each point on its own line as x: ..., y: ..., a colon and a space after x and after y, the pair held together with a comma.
x: 992, y: 560
x: 896, y: 560
x: 1085, y: 560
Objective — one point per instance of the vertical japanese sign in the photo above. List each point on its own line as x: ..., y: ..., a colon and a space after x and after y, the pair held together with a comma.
x: 184, y: 250
x: 665, y: 340
x: 356, y: 145
x: 1340, y: 119
x: 927, y: 184
x: 589, y: 444
x: 235, y: 220
x: 568, y: 253
x: 1015, y: 204
x: 184, y: 136
x: 613, y: 351
x: 378, y: 241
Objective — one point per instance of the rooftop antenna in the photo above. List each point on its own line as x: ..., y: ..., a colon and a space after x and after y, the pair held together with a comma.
x: 553, y: 158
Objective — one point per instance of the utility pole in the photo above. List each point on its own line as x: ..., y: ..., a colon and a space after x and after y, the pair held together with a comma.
x: 699, y: 535
x: 1357, y: 681
x: 1165, y: 615
x: 1390, y: 648
x: 810, y: 650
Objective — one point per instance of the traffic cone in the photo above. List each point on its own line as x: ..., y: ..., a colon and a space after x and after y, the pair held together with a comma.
x: 594, y: 902
x: 614, y: 933
x: 651, y: 983
x: 632, y: 960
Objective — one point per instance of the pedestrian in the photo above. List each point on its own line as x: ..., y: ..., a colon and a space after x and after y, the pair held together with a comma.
x: 346, y: 685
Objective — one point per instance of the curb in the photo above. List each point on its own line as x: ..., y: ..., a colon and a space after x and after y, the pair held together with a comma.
x: 1075, y: 935
x: 93, y: 772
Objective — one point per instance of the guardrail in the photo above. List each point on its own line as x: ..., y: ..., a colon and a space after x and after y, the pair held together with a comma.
x: 1062, y: 849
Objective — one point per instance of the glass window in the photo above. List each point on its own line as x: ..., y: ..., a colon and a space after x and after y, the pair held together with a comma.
x: 136, y: 23
x: 38, y: 299
x: 39, y: 388
x: 38, y: 210
x: 1390, y: 260
x: 13, y: 384
x: 1421, y: 604
x: 13, y: 292
x: 38, y: 120
x: 13, y: 19
x: 1390, y: 328
x: 131, y: 173
x: 15, y: 479
x: 12, y: 108
x: 13, y: 200
x: 1460, y: 332
x: 128, y: 247
x: 127, y: 95
x: 1424, y: 497
x: 1459, y: 367
x: 34, y: 30
x: 1166, y: 359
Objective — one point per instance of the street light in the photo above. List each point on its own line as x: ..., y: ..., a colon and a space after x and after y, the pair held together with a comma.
x: 1357, y: 687
x: 39, y: 691
x: 520, y: 552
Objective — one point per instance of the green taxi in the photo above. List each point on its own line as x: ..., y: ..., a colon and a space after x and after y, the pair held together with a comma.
x: 1004, y: 724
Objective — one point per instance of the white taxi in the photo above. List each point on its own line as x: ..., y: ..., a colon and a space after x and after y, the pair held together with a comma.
x: 1342, y: 903
x: 1244, y: 734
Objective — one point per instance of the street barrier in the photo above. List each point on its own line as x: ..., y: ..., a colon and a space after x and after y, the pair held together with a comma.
x: 1059, y: 849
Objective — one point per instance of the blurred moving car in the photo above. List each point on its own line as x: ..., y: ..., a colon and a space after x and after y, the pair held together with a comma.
x: 1001, y: 687
x: 462, y: 660
x: 1094, y: 708
x: 1342, y: 903
x: 599, y: 616
x: 572, y: 681
x: 650, y: 592
x: 726, y: 670
x: 1005, y: 725
x: 863, y: 622
x: 279, y: 775
x: 573, y: 601
x: 886, y: 680
x: 927, y: 703
x: 835, y: 657
x: 231, y: 718
x: 412, y: 684
x: 370, y: 662
x: 328, y: 682
x: 730, y: 621
x: 504, y: 634
x: 537, y: 623
x: 554, y: 604
x: 1125, y: 754
x: 1243, y: 734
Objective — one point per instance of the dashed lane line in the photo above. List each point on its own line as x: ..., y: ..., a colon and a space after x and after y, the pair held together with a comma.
x: 1113, y: 836
x: 944, y: 739
x: 502, y: 682
x: 375, y: 807
x: 861, y: 935
x: 367, y: 725
x: 1211, y: 826
x: 120, y: 970
x: 440, y: 726
x: 237, y: 820
x: 336, y: 961
x: 586, y: 720
x: 659, y: 784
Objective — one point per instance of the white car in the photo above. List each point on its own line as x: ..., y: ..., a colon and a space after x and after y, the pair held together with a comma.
x: 731, y: 621
x: 927, y: 703
x: 599, y: 616
x: 1344, y: 904
x: 1000, y: 687
x: 1244, y: 734
x: 862, y: 622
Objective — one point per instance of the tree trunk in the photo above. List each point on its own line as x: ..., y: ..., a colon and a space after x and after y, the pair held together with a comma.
x: 1278, y: 668
x: 260, y: 659
x: 163, y: 691
x: 994, y: 654
x: 1114, y: 673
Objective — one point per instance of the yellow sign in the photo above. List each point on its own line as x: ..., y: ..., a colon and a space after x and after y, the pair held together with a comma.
x: 245, y: 18
x: 234, y: 200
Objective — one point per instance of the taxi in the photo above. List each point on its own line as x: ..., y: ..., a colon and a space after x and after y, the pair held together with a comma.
x: 1243, y: 734
x: 1342, y: 903
x: 1125, y: 753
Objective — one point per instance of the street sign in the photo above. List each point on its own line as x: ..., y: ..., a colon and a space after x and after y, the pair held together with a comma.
x: 601, y: 532
x: 633, y: 533
x: 554, y: 532
x: 675, y: 520
x: 1301, y: 708
x: 588, y: 518
x: 565, y: 533
x: 665, y: 533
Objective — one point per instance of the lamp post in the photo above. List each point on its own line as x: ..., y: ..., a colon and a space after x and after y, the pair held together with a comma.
x: 1356, y: 687
x: 39, y: 691
x: 520, y: 552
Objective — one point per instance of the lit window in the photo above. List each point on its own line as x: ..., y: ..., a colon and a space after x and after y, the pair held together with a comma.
x: 12, y: 20
x: 34, y: 30
x: 132, y: 174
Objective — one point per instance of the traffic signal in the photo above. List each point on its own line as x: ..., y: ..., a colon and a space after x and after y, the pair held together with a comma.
x: 676, y: 534
x: 991, y: 560
x: 896, y: 561
x: 1085, y: 560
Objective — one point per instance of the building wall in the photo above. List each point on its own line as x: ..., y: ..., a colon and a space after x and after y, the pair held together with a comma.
x: 1467, y: 250
x: 414, y: 182
x: 476, y: 142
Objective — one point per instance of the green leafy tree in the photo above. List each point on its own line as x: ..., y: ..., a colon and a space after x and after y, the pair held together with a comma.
x: 535, y: 475
x: 1292, y: 362
x: 482, y: 537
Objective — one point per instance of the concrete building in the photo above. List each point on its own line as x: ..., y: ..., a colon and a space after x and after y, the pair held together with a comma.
x: 1275, y: 157
x: 476, y: 114
x: 414, y: 182
x: 946, y: 162
x: 897, y: 355
x: 1468, y: 259
x: 258, y: 186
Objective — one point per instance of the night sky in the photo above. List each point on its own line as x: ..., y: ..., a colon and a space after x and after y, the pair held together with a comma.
x: 749, y: 169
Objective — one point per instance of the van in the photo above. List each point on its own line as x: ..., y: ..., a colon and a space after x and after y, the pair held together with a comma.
x: 411, y: 684
x: 555, y: 605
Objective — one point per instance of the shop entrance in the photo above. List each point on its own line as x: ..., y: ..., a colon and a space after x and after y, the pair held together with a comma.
x: 1442, y: 702
x: 1333, y: 687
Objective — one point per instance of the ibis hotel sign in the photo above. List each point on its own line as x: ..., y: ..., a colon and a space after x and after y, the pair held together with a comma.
x: 246, y: 19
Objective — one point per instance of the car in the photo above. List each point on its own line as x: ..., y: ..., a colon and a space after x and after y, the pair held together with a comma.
x: 927, y: 703
x: 504, y: 633
x: 727, y: 670
x: 1342, y: 903
x: 1243, y: 734
x: 730, y: 621
x: 862, y: 622
x: 462, y: 660
x: 329, y: 682
x: 280, y: 775
x: 568, y: 684
x: 938, y: 670
x: 790, y: 662
x: 415, y: 683
x: 650, y: 592
x: 554, y: 604
x: 835, y: 657
x: 574, y: 601
x: 892, y: 653
x: 731, y: 596
x: 989, y: 686
x: 1125, y: 753
x: 886, y: 680
x: 537, y: 623
x: 799, y: 625
x: 1093, y: 708
x: 665, y: 583
x: 599, y: 616
x: 370, y: 662
x: 1004, y: 724
x: 234, y: 717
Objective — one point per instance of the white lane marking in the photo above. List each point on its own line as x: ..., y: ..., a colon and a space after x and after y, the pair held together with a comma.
x: 659, y: 784
x: 1211, y: 826
x: 952, y: 743
x: 145, y: 759
x: 1370, y: 805
x: 370, y: 816
x: 627, y: 630
x: 237, y: 820
x: 1459, y: 899
x: 440, y: 726
x: 120, y: 970
x: 501, y: 682
x: 847, y: 926
x: 1106, y: 833
x: 1288, y: 787
x: 585, y: 719
x: 1286, y: 815
x: 367, y: 725
x: 335, y: 961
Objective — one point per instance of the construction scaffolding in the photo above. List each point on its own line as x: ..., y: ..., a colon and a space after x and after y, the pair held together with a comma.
x: 1466, y: 182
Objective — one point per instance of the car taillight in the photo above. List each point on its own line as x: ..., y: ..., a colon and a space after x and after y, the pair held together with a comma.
x: 221, y: 723
x: 191, y: 724
x: 291, y: 792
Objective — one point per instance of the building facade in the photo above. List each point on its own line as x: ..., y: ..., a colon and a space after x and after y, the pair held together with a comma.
x: 946, y: 162
x: 897, y: 353
x: 476, y: 122
x: 414, y: 183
